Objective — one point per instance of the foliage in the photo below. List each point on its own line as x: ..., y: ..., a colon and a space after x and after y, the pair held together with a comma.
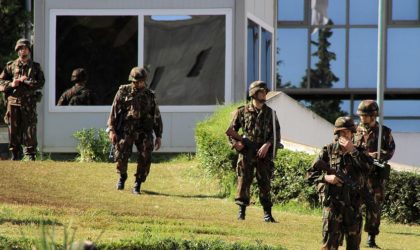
x: 402, y: 197
x: 93, y: 145
x: 213, y: 151
x: 323, y: 77
x: 13, y: 18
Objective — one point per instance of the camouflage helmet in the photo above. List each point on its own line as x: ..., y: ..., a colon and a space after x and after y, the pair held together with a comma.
x: 257, y: 86
x: 22, y: 42
x: 368, y: 107
x: 343, y: 123
x: 79, y: 75
x: 137, y: 74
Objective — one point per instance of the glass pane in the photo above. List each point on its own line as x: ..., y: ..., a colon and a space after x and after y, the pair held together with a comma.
x: 290, y: 10
x: 186, y: 57
x: 405, y: 10
x: 403, y: 56
x: 337, y: 11
x: 252, y: 52
x: 292, y: 54
x: 106, y: 46
x: 266, y: 57
x: 364, y: 11
x: 345, y: 106
x: 401, y: 108
x: 363, y: 58
x: 403, y: 125
x: 337, y: 42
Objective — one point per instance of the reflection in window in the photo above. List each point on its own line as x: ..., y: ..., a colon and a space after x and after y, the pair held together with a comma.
x: 338, y: 46
x: 363, y: 11
x: 186, y: 57
x: 290, y: 10
x: 363, y: 58
x: 337, y: 11
x: 403, y: 56
x: 407, y: 10
x: 403, y: 125
x: 104, y: 45
x: 253, y: 52
x: 266, y: 58
x: 292, y: 53
x: 401, y: 108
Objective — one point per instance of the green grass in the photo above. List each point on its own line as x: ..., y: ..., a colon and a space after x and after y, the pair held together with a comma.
x: 177, y: 202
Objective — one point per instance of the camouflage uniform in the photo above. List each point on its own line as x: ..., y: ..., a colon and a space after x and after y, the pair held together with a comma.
x: 141, y: 117
x: 77, y: 95
x: 257, y: 125
x: 342, y: 215
x: 368, y: 139
x: 21, y: 115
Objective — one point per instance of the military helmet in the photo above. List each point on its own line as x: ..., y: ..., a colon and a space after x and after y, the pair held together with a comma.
x: 22, y: 42
x: 137, y: 74
x: 368, y: 107
x: 79, y: 75
x: 344, y: 122
x: 257, y: 86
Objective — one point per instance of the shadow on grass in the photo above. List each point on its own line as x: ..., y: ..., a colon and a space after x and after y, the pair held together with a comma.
x: 19, y: 222
x: 183, y: 196
x: 407, y: 234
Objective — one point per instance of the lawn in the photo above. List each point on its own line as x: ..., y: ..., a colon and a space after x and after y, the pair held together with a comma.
x: 177, y: 201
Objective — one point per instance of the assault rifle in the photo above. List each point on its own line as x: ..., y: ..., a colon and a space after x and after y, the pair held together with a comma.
x: 249, y: 145
x: 119, y: 132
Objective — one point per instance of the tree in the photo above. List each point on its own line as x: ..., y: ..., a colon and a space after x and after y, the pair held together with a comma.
x: 13, y: 19
x: 323, y: 77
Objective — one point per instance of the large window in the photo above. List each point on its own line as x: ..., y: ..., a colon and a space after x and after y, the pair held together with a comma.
x: 354, y: 48
x: 259, y: 52
x: 187, y: 52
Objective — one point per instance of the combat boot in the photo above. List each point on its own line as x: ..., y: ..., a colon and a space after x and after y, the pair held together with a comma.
x: 31, y: 157
x: 15, y: 155
x: 371, y: 241
x: 121, y: 181
x: 136, y: 188
x: 267, y: 215
x: 241, y: 214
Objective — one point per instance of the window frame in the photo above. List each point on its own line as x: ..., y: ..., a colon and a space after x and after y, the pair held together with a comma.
x: 261, y: 25
x: 140, y: 13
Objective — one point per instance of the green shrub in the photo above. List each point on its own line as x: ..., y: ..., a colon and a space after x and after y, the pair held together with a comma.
x: 213, y: 151
x: 402, y: 198
x: 93, y: 145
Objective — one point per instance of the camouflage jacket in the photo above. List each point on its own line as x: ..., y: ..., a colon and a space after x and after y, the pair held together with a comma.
x: 139, y: 111
x: 332, y: 160
x: 77, y: 95
x: 256, y: 125
x: 368, y: 139
x: 25, y: 92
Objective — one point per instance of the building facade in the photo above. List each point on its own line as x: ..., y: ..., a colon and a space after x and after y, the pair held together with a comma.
x: 198, y: 54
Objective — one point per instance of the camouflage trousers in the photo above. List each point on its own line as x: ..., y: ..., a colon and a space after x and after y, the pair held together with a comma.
x: 247, y: 164
x: 124, y: 149
x: 21, y: 121
x: 373, y: 214
x: 335, y: 229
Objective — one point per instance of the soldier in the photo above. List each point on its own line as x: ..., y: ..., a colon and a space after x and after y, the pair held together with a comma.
x: 339, y: 176
x: 79, y: 94
x: 367, y: 137
x: 21, y: 81
x: 255, y: 148
x: 134, y: 117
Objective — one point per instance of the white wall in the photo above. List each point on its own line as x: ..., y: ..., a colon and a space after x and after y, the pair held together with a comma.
x: 299, y: 124
x: 407, y: 149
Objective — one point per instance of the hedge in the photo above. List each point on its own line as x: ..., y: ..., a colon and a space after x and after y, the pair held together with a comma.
x: 402, y: 197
